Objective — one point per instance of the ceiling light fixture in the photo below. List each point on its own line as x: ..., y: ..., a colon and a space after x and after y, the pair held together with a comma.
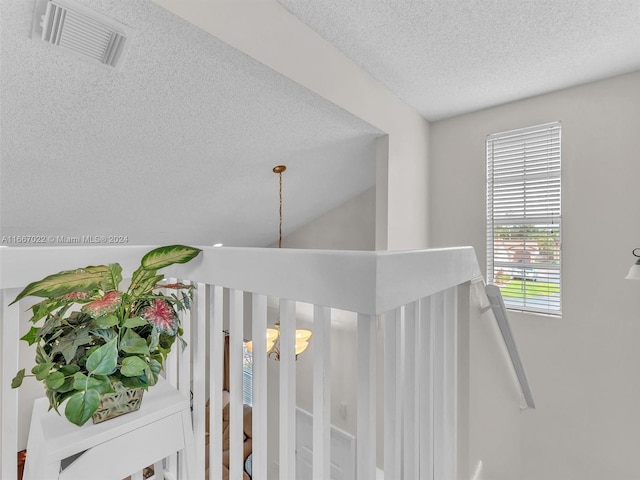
x: 273, y: 334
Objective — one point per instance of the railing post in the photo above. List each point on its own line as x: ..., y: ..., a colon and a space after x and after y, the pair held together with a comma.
x: 287, y: 390
x: 425, y: 375
x: 236, y: 336
x: 411, y: 466
x: 216, y: 361
x: 199, y: 370
x: 366, y: 410
x: 321, y: 393
x: 259, y: 417
x: 392, y: 394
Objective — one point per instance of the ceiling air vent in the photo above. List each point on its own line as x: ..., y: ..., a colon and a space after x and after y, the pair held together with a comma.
x: 74, y: 27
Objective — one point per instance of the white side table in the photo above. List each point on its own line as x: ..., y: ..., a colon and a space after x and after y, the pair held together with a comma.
x: 59, y: 450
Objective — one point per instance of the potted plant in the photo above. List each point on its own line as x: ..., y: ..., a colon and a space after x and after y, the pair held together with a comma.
x: 95, y: 341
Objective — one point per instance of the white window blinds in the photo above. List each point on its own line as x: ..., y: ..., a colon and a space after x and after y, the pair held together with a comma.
x: 524, y: 217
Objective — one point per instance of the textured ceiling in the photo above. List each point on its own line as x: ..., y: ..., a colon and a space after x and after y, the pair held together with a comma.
x: 178, y: 145
x: 447, y: 57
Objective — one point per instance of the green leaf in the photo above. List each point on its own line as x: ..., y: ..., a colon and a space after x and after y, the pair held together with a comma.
x: 106, y: 321
x: 103, y: 361
x: 133, y: 343
x: 67, y: 386
x: 41, y: 371
x: 81, y: 406
x: 113, y: 278
x: 52, y: 323
x: 164, y: 256
x: 100, y: 383
x: 41, y: 355
x: 44, y: 308
x: 143, y: 281
x: 104, y: 333
x: 69, y: 370
x: 135, y: 382
x: 17, y: 380
x: 135, y: 322
x: 133, y: 367
x: 155, y: 367
x: 68, y: 345
x: 31, y: 336
x: 80, y: 280
x: 54, y: 380
x: 154, y: 340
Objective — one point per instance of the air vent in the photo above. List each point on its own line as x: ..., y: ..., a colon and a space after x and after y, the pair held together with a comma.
x: 78, y: 29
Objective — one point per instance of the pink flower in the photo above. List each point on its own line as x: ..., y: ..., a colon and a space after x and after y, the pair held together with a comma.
x: 108, y: 303
x: 75, y: 296
x: 162, y: 315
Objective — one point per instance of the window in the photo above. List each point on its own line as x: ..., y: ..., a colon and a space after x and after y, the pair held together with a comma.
x: 523, y: 217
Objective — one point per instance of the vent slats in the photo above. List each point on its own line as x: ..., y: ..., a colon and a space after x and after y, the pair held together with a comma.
x: 89, y: 34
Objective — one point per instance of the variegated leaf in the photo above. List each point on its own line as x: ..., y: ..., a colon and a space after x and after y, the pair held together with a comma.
x: 80, y: 280
x: 164, y: 256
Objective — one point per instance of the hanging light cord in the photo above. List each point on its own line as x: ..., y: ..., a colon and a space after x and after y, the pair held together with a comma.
x: 279, y: 170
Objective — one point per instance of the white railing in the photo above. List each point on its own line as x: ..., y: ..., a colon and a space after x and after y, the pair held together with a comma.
x: 412, y: 300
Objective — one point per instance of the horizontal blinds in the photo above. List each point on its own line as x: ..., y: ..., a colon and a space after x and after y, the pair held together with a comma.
x: 523, y: 217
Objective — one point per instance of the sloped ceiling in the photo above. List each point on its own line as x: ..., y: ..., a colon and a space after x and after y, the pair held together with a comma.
x: 178, y: 145
x: 447, y: 57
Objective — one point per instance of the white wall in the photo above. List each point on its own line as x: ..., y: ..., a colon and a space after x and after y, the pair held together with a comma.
x: 264, y: 30
x: 348, y: 227
x: 584, y: 368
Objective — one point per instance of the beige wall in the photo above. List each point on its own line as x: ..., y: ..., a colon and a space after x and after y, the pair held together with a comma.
x: 584, y: 368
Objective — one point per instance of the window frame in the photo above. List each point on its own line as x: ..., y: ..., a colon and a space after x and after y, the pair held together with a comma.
x: 524, y: 201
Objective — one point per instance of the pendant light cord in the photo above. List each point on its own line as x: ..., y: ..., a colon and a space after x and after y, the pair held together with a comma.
x: 279, y: 170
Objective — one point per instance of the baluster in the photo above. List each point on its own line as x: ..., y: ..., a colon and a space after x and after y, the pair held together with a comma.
x: 449, y: 390
x: 411, y: 390
x: 439, y: 423
x: 236, y: 336
x: 321, y: 392
x: 184, y: 371
x: 216, y: 362
x: 259, y: 412
x: 425, y: 374
x: 392, y: 394
x: 287, y: 390
x: 366, y: 411
x: 199, y: 346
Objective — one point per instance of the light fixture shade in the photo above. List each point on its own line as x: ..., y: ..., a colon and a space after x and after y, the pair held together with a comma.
x: 301, y: 346
x: 634, y: 272
x: 303, y: 335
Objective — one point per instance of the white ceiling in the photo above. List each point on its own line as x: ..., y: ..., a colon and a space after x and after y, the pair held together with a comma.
x: 447, y: 57
x: 179, y: 144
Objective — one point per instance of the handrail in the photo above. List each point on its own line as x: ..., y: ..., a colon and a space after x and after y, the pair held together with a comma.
x: 500, y: 312
x: 367, y: 282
